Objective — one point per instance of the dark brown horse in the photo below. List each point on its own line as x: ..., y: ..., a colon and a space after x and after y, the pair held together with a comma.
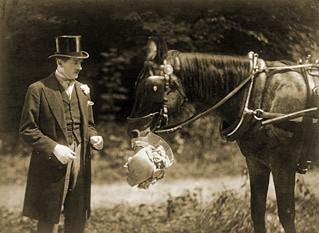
x: 203, y: 80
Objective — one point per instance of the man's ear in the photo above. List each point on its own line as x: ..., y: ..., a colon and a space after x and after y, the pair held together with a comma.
x: 151, y: 49
x: 58, y: 61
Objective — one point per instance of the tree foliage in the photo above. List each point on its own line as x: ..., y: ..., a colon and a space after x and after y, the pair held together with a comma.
x: 115, y: 33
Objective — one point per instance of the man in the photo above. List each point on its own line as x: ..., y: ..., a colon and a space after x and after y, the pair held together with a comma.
x: 57, y: 121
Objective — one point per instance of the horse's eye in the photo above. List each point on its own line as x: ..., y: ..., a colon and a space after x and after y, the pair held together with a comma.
x: 155, y: 88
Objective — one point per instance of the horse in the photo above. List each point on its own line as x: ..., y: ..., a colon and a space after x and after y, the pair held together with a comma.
x: 170, y: 78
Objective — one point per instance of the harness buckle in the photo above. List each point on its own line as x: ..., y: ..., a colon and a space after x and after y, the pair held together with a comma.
x: 258, y: 114
x: 253, y: 59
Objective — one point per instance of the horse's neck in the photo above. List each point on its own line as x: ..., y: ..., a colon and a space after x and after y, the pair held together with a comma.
x: 207, y: 79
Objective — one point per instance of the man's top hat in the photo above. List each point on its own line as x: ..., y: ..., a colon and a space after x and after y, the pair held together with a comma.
x: 69, y: 46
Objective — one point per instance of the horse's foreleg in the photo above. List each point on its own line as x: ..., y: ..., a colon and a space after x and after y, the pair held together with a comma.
x: 259, y: 180
x: 284, y: 180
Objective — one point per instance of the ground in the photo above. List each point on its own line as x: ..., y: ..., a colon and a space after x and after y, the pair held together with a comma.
x: 179, y: 205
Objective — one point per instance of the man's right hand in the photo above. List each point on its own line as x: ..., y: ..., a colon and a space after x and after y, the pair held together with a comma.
x: 63, y: 153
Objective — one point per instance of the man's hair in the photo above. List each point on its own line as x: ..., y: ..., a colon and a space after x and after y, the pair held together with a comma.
x: 62, y: 58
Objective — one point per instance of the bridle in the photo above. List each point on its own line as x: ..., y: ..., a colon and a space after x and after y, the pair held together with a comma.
x: 166, y: 75
x: 162, y: 114
x: 168, y: 71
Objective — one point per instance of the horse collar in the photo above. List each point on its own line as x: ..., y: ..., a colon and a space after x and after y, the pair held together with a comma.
x: 233, y: 131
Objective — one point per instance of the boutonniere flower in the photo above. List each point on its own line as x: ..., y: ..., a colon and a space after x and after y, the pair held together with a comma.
x: 85, y: 88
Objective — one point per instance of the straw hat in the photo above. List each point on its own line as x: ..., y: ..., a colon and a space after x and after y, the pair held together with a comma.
x: 148, y: 163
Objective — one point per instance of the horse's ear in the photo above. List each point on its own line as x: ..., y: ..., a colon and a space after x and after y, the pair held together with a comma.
x: 156, y: 49
x: 151, y: 49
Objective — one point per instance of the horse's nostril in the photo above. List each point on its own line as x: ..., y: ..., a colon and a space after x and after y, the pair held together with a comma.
x: 135, y: 133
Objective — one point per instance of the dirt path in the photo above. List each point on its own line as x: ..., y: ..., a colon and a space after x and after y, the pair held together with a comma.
x: 108, y: 195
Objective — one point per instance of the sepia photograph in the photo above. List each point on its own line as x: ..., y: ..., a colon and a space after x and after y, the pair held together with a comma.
x: 159, y: 116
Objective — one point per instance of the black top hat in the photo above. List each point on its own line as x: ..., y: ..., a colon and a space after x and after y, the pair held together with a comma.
x: 69, y: 46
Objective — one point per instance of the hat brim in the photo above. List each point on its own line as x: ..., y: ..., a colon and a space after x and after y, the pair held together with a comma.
x: 81, y: 55
x: 131, y: 181
x: 155, y: 141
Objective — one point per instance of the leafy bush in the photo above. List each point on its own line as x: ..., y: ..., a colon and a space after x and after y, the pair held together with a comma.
x: 113, y: 93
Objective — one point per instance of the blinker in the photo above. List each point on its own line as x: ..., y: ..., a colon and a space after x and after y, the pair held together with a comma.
x: 155, y: 87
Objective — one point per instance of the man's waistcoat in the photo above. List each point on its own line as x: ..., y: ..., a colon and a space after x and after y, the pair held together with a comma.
x: 72, y: 117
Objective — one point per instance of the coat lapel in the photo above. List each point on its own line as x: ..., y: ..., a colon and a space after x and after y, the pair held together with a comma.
x: 54, y: 98
x: 83, y: 100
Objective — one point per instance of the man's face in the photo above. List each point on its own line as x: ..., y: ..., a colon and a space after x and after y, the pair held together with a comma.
x: 71, y: 67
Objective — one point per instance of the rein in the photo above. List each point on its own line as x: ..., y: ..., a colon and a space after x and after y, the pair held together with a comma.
x: 258, y: 114
x: 254, y: 69
x: 199, y: 115
x: 291, y: 67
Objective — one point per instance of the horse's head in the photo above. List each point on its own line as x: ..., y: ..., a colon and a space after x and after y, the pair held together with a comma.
x: 158, y: 91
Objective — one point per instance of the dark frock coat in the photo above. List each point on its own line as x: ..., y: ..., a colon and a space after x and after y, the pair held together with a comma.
x: 43, y: 125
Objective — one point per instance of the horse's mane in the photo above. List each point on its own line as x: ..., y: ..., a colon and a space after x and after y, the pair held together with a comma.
x: 207, y: 76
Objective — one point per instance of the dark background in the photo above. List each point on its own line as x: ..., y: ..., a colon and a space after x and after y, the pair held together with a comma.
x: 115, y: 32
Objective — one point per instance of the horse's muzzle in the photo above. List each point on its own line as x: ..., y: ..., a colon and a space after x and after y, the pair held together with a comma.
x: 140, y: 126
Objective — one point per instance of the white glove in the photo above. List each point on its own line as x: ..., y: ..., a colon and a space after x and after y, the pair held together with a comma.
x: 97, y: 142
x: 63, y: 153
